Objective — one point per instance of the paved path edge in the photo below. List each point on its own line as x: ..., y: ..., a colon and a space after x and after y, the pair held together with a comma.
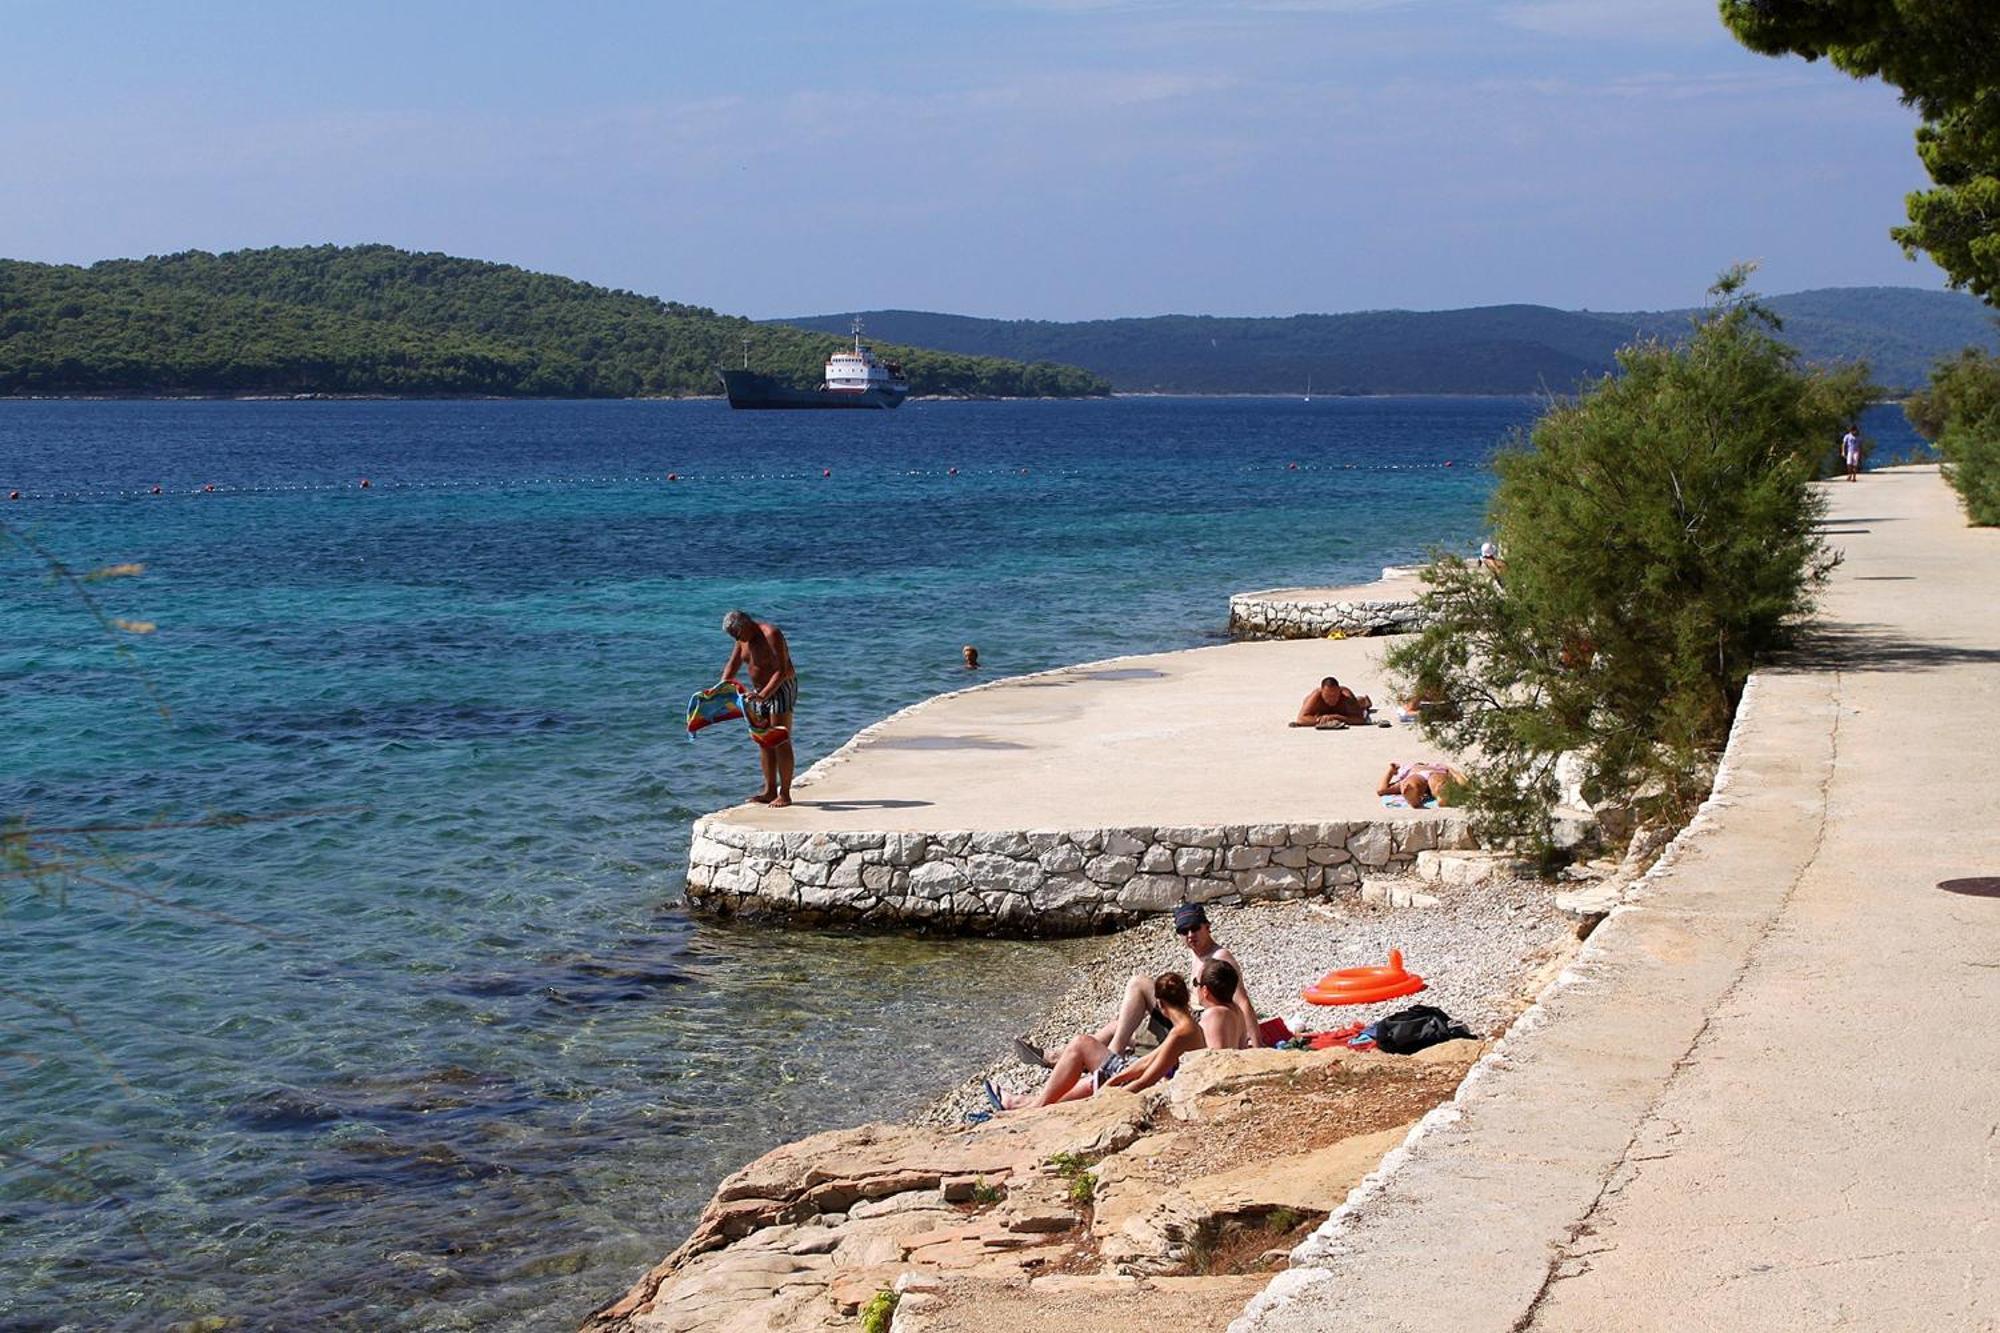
x: 1466, y: 1222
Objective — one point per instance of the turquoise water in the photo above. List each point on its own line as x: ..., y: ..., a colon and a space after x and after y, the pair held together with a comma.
x: 428, y: 1042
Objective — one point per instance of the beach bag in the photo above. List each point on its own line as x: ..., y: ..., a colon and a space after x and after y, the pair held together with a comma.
x: 1412, y: 1029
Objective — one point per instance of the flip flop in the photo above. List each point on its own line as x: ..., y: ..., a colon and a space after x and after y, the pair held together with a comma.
x: 1032, y: 1055
x: 993, y: 1094
x: 977, y: 1117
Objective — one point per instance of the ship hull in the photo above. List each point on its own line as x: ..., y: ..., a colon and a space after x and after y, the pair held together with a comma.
x: 749, y: 390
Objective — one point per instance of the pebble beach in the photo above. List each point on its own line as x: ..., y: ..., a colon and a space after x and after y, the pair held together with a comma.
x: 1483, y: 951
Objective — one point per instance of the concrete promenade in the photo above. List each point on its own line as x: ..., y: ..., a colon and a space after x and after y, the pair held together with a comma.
x: 1767, y: 1094
x: 1191, y: 737
x: 1081, y: 799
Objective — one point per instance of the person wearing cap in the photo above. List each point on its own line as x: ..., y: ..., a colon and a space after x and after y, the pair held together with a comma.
x: 1141, y: 1005
x: 1489, y: 558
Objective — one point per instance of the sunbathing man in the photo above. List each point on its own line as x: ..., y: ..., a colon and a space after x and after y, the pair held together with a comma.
x: 1420, y: 782
x: 1219, y: 1028
x: 774, y: 689
x: 1140, y: 1004
x: 1333, y: 705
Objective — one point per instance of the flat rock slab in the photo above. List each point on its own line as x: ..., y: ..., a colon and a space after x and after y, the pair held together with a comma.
x: 1187, y: 738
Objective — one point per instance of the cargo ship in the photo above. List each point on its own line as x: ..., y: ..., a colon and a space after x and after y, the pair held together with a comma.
x: 855, y: 378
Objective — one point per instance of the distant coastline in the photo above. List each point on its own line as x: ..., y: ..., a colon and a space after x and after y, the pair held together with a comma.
x: 375, y: 321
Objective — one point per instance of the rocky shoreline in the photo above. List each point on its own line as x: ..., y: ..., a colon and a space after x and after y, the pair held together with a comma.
x: 1196, y: 1190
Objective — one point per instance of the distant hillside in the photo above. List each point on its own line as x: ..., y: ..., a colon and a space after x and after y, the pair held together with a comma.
x: 372, y: 319
x: 1899, y: 331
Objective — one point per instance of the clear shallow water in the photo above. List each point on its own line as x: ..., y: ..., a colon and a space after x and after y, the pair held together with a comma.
x: 450, y: 1054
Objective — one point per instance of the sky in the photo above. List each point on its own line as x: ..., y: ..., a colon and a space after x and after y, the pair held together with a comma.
x: 1044, y: 159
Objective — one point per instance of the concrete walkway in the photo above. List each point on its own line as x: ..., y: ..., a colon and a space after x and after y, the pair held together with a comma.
x: 1192, y: 738
x: 1767, y: 1096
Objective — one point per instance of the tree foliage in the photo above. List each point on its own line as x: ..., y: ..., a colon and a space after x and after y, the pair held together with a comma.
x: 1960, y: 411
x: 1944, y: 55
x: 1659, y: 539
x: 376, y: 320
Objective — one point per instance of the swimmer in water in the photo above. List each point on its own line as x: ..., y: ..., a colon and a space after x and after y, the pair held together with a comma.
x: 971, y: 658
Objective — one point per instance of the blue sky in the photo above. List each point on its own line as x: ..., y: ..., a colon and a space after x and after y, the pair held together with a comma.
x: 1057, y: 159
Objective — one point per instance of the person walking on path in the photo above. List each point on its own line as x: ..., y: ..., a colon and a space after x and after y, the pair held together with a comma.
x: 774, y: 688
x: 1850, y: 452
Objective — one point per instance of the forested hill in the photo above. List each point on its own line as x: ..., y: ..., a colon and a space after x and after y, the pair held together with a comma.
x: 1899, y: 331
x: 373, y: 319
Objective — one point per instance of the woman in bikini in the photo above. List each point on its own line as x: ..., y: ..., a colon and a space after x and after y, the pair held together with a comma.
x: 1220, y: 1026
x: 1420, y: 782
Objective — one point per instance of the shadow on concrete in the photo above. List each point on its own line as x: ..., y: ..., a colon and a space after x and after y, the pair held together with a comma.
x: 1849, y: 522
x: 860, y: 804
x: 1108, y: 673
x: 947, y: 743
x: 1872, y: 647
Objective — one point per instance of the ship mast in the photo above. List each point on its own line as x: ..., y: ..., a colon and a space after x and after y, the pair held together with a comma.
x: 857, y: 335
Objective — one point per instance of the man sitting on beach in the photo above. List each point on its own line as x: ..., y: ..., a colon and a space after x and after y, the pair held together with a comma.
x: 1088, y: 1065
x: 774, y: 688
x: 1140, y: 1004
x: 1332, y: 706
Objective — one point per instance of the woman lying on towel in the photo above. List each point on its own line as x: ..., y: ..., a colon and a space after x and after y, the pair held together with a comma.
x: 1219, y: 1026
x: 1421, y: 783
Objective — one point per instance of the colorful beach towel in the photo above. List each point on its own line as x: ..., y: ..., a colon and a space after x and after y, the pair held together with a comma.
x: 758, y: 713
x: 1393, y: 802
x: 725, y: 702
x: 718, y: 703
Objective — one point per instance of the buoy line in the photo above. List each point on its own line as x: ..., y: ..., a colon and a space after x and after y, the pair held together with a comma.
x: 163, y: 490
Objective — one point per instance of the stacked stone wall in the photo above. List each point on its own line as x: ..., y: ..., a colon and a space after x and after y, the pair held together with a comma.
x: 1044, y: 881
x: 1279, y: 615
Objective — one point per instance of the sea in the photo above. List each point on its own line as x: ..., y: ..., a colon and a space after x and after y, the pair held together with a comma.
x: 362, y: 995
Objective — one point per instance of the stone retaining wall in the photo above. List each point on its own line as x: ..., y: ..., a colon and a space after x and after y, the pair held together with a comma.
x: 1277, y: 613
x: 1040, y: 882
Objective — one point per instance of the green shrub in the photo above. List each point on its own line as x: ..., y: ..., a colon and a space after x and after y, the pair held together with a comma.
x: 1082, y: 1180
x: 881, y: 1308
x: 1660, y: 538
x: 1961, y: 412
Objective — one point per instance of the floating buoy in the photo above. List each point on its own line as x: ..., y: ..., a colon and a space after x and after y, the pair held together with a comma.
x: 208, y: 489
x: 1447, y: 462
x: 951, y: 472
x: 1024, y: 472
x: 13, y: 495
x: 1291, y: 467
x: 826, y: 472
x: 673, y: 476
x: 1364, y: 985
x: 365, y: 483
x: 156, y: 490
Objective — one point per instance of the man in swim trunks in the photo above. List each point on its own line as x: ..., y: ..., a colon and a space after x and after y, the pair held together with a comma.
x: 774, y: 688
x: 1333, y: 705
x: 1140, y: 1006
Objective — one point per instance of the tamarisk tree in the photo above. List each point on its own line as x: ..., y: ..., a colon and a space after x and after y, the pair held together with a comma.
x: 1659, y: 538
x: 1944, y: 55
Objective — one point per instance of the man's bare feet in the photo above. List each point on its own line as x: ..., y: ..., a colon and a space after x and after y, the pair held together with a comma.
x: 780, y: 801
x: 765, y: 797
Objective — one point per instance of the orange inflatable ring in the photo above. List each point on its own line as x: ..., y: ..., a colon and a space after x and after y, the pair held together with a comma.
x: 1364, y: 985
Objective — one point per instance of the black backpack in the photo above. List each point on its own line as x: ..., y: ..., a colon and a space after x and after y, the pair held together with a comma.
x: 1414, y: 1028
